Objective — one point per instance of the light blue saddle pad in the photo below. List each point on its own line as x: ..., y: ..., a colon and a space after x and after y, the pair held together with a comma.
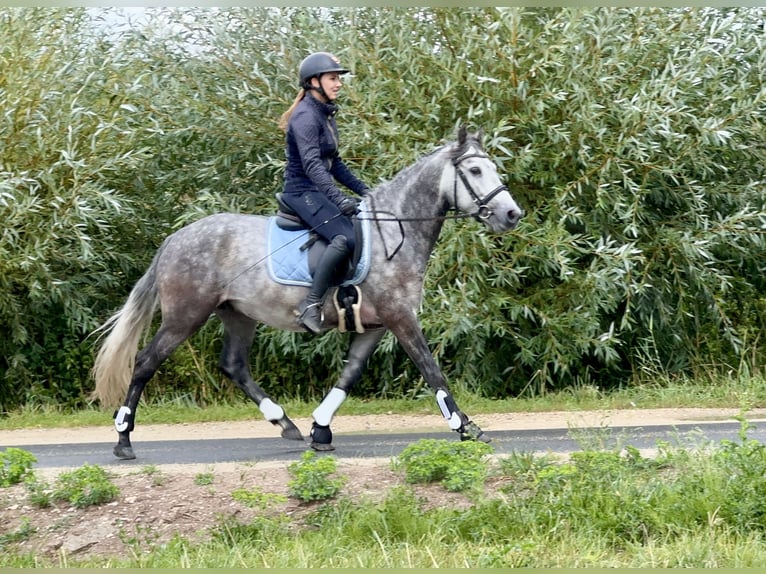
x: 288, y: 265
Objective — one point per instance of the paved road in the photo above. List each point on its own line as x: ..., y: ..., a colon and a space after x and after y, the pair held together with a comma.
x: 211, y: 451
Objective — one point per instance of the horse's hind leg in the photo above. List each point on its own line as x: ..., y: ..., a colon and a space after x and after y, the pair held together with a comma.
x: 360, y: 350
x: 148, y: 360
x: 239, y: 331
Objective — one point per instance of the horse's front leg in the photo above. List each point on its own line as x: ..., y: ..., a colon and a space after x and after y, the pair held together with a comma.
x: 362, y: 346
x: 410, y: 335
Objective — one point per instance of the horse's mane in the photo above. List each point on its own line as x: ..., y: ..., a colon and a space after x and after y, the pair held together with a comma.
x: 456, y: 150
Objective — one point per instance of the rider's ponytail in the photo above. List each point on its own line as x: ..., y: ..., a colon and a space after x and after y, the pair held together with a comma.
x: 285, y: 118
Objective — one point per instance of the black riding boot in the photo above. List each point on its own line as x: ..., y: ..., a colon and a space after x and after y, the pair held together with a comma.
x: 311, y: 309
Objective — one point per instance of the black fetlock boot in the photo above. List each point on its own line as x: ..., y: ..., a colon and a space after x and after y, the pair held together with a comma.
x: 321, y: 438
x: 310, y: 311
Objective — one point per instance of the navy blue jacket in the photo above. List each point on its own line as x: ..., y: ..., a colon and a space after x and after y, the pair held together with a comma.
x: 313, y: 162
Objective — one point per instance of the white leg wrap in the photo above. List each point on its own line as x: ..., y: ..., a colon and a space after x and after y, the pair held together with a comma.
x: 271, y: 410
x: 453, y: 419
x: 326, y: 410
x: 119, y: 421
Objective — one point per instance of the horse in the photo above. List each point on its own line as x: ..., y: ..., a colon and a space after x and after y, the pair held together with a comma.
x: 215, y: 266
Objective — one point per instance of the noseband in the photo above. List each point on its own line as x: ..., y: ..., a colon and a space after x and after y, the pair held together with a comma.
x: 482, y: 209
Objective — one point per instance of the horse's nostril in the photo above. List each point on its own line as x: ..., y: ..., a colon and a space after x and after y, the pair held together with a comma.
x: 514, y: 215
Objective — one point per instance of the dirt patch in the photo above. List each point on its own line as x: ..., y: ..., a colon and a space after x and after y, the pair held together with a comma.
x: 158, y: 503
x: 154, y: 507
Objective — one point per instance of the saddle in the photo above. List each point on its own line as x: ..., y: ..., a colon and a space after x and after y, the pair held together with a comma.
x: 347, y: 297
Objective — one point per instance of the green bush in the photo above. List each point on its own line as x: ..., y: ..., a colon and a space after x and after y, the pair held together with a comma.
x: 15, y: 465
x: 312, y: 478
x: 85, y: 486
x: 457, y: 466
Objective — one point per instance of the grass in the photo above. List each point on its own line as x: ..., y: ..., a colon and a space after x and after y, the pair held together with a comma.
x: 719, y: 392
x: 686, y: 507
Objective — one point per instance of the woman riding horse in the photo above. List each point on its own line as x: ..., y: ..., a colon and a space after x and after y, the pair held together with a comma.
x: 313, y: 167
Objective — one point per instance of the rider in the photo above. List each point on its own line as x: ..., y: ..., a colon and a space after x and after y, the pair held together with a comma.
x: 313, y: 167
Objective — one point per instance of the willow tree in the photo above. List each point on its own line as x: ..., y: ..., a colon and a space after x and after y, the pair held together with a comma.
x: 633, y: 137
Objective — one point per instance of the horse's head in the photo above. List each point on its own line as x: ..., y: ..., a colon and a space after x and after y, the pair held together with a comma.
x: 475, y: 187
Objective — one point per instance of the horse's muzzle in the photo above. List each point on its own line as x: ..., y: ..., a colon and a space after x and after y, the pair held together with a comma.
x: 513, y: 216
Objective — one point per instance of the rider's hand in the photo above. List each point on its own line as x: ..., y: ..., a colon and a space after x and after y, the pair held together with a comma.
x: 348, y: 206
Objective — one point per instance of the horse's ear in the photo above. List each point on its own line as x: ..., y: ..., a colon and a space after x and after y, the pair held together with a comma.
x: 462, y: 133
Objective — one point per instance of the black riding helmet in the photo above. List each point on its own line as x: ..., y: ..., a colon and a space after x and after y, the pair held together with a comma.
x: 317, y: 64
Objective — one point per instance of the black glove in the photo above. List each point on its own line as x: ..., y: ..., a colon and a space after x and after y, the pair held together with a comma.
x: 348, y: 206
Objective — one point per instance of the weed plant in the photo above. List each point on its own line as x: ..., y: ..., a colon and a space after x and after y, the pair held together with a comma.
x: 256, y: 498
x: 23, y: 532
x: 85, y: 486
x: 15, y: 465
x: 313, y: 478
x: 457, y: 466
x: 204, y: 478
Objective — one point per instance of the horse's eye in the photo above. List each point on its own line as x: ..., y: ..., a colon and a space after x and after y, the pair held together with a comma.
x: 475, y: 171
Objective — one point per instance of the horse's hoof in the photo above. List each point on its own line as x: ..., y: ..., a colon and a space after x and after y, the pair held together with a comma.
x: 483, y: 437
x: 471, y: 431
x: 321, y: 438
x: 322, y: 447
x: 289, y: 430
x: 124, y: 452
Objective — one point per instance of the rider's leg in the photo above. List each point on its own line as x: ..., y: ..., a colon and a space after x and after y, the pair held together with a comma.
x: 311, y: 309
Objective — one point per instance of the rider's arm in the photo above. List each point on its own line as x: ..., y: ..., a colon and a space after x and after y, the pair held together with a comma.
x: 344, y: 175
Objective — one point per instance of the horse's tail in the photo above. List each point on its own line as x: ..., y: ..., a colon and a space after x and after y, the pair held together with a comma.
x: 116, y: 358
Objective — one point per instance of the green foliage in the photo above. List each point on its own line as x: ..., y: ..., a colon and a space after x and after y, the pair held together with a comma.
x: 683, y: 507
x: 23, y: 532
x: 85, y: 486
x: 261, y: 533
x: 400, y: 518
x: 629, y: 135
x: 256, y: 498
x: 457, y: 466
x: 39, y: 491
x: 204, y: 478
x: 15, y: 465
x: 312, y: 478
x: 627, y: 499
x: 731, y: 487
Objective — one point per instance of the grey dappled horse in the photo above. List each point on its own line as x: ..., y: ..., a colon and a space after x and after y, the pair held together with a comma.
x: 215, y: 265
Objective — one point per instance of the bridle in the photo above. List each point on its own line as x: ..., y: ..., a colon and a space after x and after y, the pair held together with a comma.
x: 482, y: 212
x: 482, y: 209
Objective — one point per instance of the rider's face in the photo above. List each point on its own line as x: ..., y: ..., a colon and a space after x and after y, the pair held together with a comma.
x: 330, y: 83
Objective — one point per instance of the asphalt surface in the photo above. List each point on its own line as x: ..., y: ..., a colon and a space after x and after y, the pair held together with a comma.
x: 385, y: 445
